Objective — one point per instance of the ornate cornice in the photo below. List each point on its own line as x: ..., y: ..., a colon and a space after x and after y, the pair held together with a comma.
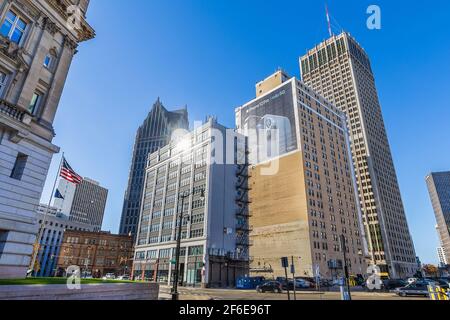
x: 59, y: 7
x: 71, y: 44
x: 50, y: 26
x: 85, y: 33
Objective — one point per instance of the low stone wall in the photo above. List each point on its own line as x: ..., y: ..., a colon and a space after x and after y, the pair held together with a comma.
x: 119, y: 291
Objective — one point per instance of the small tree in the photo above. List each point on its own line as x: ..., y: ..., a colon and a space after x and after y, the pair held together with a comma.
x: 431, y: 270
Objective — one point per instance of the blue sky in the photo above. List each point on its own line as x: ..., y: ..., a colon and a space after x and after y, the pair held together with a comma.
x: 209, y: 55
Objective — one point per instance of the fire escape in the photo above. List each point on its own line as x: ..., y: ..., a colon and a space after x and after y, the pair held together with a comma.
x: 243, y: 227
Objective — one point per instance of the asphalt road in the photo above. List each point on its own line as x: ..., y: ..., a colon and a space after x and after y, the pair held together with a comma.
x: 231, y: 294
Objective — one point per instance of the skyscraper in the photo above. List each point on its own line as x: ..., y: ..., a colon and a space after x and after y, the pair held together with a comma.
x: 302, y: 195
x: 89, y: 204
x: 83, y: 203
x: 339, y: 69
x: 153, y: 134
x: 37, y: 45
x: 439, y: 189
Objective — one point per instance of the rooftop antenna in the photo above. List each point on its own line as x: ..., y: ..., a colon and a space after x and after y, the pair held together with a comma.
x: 328, y: 20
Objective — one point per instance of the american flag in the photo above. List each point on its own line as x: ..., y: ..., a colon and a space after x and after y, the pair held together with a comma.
x: 68, y: 173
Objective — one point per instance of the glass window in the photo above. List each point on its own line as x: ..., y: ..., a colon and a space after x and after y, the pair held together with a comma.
x: 34, y: 103
x: 3, y: 79
x: 48, y: 61
x: 19, y: 166
x: 13, y: 27
x: 196, y: 251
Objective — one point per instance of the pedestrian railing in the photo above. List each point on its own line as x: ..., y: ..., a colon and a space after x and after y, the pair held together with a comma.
x: 438, y: 294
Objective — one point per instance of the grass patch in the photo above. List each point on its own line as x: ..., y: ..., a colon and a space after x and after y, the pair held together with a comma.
x: 53, y: 281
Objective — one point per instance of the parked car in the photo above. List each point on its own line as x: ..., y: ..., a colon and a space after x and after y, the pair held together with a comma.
x: 270, y: 286
x: 326, y: 283
x: 392, y: 284
x: 303, y: 283
x: 299, y: 284
x: 310, y: 282
x: 414, y: 289
x: 388, y: 285
x: 109, y: 276
x: 124, y: 277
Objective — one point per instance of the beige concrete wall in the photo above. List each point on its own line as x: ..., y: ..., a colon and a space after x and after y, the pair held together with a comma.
x: 270, y: 83
x: 119, y: 291
x: 280, y: 217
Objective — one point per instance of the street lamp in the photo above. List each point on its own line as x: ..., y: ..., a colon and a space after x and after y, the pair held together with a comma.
x: 183, y: 196
x: 346, y: 271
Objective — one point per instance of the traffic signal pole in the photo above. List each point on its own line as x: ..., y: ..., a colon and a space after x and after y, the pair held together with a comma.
x: 285, y: 265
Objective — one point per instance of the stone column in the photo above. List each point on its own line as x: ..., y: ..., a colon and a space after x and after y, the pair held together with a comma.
x: 59, y: 79
x: 43, y: 46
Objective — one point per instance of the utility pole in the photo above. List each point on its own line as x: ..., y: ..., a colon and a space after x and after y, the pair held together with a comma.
x: 293, y: 277
x: 177, y: 253
x: 183, y: 196
x: 346, y: 273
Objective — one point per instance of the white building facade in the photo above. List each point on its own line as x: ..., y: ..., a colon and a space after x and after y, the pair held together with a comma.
x: 208, y: 166
x: 37, y: 45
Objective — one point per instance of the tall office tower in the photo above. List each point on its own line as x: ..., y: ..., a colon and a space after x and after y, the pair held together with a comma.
x: 439, y: 189
x: 83, y: 203
x: 208, y: 169
x: 89, y: 204
x: 339, y: 70
x: 37, y: 44
x: 154, y: 133
x: 302, y: 190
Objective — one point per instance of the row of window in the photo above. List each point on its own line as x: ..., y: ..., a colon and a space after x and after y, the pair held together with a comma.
x: 167, y: 253
x: 196, y: 233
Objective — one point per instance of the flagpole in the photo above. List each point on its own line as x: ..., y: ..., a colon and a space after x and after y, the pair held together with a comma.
x: 41, y: 228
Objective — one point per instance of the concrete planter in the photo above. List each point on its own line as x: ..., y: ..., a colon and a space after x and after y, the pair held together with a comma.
x: 119, y: 291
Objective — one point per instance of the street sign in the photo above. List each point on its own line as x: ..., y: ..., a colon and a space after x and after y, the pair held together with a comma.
x: 285, y: 262
x: 292, y: 269
x: 173, y: 262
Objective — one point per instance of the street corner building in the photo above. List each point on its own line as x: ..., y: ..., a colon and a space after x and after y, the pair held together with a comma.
x: 37, y: 44
x: 339, y: 69
x: 155, y: 132
x: 202, y: 181
x: 302, y: 196
x: 95, y: 253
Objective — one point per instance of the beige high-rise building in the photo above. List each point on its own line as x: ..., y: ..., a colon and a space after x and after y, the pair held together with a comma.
x: 302, y: 193
x: 38, y: 40
x: 339, y: 69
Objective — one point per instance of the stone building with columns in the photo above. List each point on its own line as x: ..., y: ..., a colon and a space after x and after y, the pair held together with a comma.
x: 38, y: 40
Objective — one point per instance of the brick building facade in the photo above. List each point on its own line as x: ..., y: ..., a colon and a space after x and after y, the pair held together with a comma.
x: 97, y: 253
